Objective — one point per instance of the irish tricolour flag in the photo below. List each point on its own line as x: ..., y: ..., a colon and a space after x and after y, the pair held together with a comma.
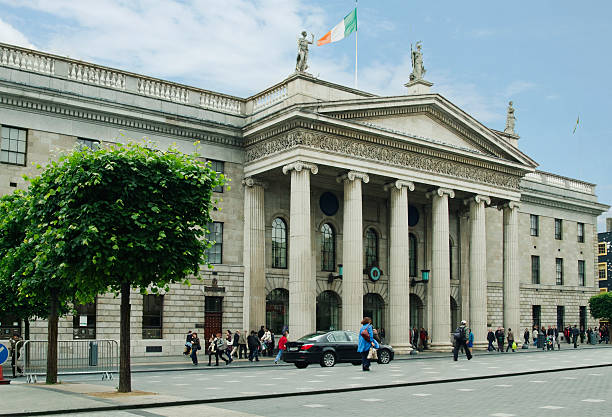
x: 347, y: 26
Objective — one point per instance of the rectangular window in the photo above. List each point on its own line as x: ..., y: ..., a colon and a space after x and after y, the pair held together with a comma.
x: 560, y: 317
x: 214, y: 254
x: 602, y: 271
x: 152, y: 309
x: 9, y: 325
x: 558, y: 229
x: 13, y: 146
x: 581, y: 232
x: 219, y: 168
x: 536, y: 311
x: 581, y: 281
x: 603, y: 290
x: 559, y: 270
x: 535, y: 269
x: 535, y: 225
x: 88, y: 143
x: 602, y: 248
x: 583, y: 317
x: 84, y: 321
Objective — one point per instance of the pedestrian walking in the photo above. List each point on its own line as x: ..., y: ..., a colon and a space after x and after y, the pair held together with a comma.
x: 536, y: 334
x: 366, y: 342
x: 510, y: 340
x: 461, y: 336
x: 470, y: 343
x: 490, y: 339
x: 242, y: 345
x: 195, y: 346
x: 265, y: 342
x: 526, y: 336
x: 187, y: 349
x: 414, y: 338
x: 235, y: 344
x: 253, y: 343
x: 423, y: 338
x: 211, y: 349
x: 272, y: 345
x: 221, y: 348
x: 500, y: 336
x: 575, y: 333
x: 282, y: 342
x: 261, y: 332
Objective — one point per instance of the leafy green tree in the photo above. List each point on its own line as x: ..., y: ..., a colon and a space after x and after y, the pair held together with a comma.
x: 120, y: 218
x: 601, y: 306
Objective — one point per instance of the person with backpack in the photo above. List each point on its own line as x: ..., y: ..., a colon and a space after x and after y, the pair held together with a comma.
x: 195, y: 346
x: 221, y: 348
x: 461, y: 336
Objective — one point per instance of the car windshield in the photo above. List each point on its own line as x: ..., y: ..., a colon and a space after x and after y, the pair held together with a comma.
x: 309, y: 337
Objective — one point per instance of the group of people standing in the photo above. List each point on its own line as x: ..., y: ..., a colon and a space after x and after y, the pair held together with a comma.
x: 234, y: 345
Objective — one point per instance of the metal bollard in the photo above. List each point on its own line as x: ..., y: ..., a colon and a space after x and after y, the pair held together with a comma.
x: 93, y: 353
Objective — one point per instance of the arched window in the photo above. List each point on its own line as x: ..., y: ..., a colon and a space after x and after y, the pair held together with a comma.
x: 412, y: 255
x: 279, y: 243
x: 371, y: 248
x: 277, y: 310
x: 328, y: 248
x: 328, y: 311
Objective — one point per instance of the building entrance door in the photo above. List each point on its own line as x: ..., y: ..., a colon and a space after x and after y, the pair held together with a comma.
x: 213, y: 316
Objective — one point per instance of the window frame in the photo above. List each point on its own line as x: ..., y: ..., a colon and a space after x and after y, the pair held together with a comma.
x: 92, y: 144
x: 371, y: 259
x: 413, y: 245
x: 580, y: 232
x: 559, y: 271
x: 534, y: 225
x: 328, y: 252
x: 280, y: 247
x: 9, y: 139
x: 211, y: 227
x: 214, y: 165
x: 535, y: 269
x: 602, y: 266
x: 581, y: 273
x: 148, y: 330
x: 83, y: 310
x: 603, y: 245
x: 558, y: 229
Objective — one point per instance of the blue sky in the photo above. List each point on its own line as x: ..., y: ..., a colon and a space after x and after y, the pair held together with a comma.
x: 552, y: 58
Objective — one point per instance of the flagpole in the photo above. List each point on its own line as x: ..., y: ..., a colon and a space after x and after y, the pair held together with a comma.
x: 356, y: 33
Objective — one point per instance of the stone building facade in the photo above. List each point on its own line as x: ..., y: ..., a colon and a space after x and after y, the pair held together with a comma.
x: 342, y: 204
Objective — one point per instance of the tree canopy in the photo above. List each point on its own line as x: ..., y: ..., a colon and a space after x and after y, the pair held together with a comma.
x: 601, y: 306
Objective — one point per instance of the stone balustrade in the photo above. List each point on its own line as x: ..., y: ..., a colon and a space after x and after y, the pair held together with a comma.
x: 96, y: 75
x: 163, y: 90
x: 270, y: 97
x: 220, y: 102
x: 562, y: 182
x: 27, y: 60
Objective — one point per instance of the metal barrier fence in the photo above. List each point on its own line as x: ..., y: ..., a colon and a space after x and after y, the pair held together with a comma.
x: 73, y: 357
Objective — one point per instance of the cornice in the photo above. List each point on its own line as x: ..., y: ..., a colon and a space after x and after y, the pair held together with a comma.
x: 73, y: 112
x: 588, y: 207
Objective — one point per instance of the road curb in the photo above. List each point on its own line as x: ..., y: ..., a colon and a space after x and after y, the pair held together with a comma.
x: 290, y: 394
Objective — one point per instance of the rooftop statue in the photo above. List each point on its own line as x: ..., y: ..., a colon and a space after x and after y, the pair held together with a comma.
x: 302, y: 55
x: 510, y: 120
x: 418, y: 70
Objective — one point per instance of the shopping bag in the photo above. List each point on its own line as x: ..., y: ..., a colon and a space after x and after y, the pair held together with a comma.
x: 372, y: 355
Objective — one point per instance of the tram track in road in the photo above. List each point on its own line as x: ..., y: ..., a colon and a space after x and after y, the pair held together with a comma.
x: 264, y: 396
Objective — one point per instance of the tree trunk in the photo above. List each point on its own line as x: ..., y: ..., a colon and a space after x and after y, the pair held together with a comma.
x: 52, y: 342
x: 125, y: 375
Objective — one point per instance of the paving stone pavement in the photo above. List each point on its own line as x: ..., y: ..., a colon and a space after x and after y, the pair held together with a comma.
x: 578, y: 390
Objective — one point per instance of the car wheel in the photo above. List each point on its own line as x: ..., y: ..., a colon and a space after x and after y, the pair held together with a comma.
x: 328, y: 360
x: 384, y: 356
x: 301, y: 365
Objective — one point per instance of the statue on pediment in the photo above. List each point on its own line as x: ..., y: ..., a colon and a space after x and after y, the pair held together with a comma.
x: 510, y: 120
x: 302, y: 55
x: 418, y: 70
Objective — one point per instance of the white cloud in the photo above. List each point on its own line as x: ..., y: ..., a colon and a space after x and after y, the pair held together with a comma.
x: 517, y: 87
x: 10, y: 35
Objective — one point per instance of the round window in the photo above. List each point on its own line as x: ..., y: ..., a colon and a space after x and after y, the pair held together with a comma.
x: 328, y: 203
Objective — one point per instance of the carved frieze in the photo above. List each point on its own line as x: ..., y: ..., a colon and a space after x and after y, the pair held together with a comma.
x: 379, y: 153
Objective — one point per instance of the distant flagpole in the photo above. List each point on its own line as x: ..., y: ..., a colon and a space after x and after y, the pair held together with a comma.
x: 356, y: 33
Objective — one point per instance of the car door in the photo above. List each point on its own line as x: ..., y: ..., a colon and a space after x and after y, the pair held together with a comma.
x: 353, y: 342
x: 343, y: 346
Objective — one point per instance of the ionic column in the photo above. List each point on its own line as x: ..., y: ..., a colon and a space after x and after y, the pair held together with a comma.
x: 352, y: 250
x: 399, y: 279
x: 512, y: 306
x: 440, y: 274
x: 302, y: 287
x: 254, y: 298
x: 478, y: 269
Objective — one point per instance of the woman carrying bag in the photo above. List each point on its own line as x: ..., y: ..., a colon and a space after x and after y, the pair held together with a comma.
x: 366, y: 342
x: 195, y: 346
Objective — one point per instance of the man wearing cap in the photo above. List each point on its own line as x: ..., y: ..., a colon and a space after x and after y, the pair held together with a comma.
x: 461, y: 337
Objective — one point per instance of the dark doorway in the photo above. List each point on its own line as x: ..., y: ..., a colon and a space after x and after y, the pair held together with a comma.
x: 277, y: 310
x: 328, y: 311
x: 374, y: 307
x: 213, y: 316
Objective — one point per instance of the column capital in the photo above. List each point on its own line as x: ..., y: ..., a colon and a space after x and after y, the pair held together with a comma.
x: 352, y: 176
x: 252, y: 182
x: 300, y: 165
x: 441, y: 192
x: 512, y: 205
x: 399, y: 184
x: 478, y: 199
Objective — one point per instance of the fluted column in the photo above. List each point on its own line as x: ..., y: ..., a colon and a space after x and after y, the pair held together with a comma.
x: 302, y: 287
x: 440, y: 274
x: 478, y: 269
x: 512, y: 306
x: 254, y: 298
x: 352, y: 250
x: 399, y: 279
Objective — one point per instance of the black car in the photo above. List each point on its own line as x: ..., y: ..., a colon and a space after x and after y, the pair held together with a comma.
x: 330, y: 348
